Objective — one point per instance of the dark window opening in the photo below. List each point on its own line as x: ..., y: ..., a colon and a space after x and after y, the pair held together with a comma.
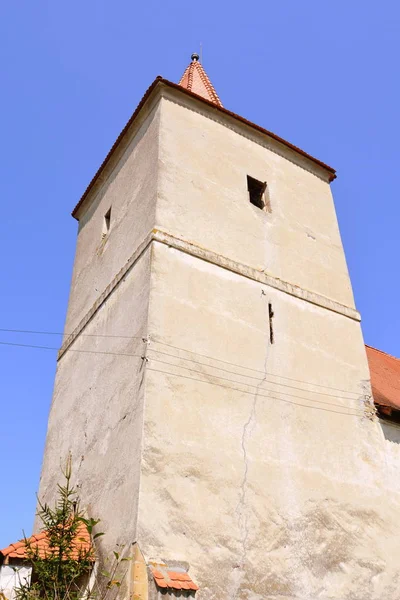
x: 257, y: 192
x: 107, y: 223
x: 271, y: 328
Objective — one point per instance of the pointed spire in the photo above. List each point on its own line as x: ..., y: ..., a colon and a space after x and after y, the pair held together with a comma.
x: 196, y: 80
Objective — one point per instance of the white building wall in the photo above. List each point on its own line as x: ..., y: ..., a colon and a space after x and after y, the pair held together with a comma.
x: 11, y: 577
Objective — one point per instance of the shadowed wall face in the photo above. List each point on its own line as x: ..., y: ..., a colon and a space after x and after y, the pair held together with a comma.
x: 117, y: 216
x: 97, y: 405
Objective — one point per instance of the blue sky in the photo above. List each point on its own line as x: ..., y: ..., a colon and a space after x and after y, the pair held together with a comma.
x: 325, y: 76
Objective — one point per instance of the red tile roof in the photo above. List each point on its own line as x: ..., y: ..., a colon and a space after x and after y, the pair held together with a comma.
x: 173, y: 580
x: 82, y: 544
x: 385, y: 378
x: 160, y: 81
x: 196, y: 80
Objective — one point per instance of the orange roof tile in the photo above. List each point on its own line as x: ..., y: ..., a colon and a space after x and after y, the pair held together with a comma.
x: 175, y: 580
x: 41, y: 542
x: 196, y: 80
x: 385, y: 377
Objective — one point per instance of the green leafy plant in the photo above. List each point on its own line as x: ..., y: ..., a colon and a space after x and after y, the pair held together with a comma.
x: 62, y: 571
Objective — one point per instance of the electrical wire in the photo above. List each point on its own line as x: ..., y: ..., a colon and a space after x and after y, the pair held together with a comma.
x: 358, y: 413
x: 261, y: 380
x: 69, y: 349
x: 68, y: 334
x: 248, y: 384
x: 176, y: 348
x: 350, y: 414
x: 251, y: 368
x: 85, y: 351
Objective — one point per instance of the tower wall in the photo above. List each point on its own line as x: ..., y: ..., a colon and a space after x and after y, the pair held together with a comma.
x: 267, y: 485
x: 127, y: 185
x: 256, y: 462
x: 205, y: 159
x: 96, y: 411
x: 262, y: 466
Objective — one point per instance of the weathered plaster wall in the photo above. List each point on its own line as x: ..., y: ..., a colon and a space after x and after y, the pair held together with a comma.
x: 204, y: 161
x: 97, y: 409
x: 97, y: 402
x: 129, y: 187
x: 278, y: 488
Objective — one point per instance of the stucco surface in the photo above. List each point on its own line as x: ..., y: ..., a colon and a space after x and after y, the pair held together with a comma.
x: 97, y: 410
x: 270, y: 491
x: 130, y: 190
x: 259, y: 465
x: 203, y: 196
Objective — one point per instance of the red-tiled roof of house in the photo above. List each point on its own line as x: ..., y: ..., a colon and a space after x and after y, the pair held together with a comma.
x: 41, y: 542
x: 385, y: 378
x: 196, y: 80
x: 160, y: 81
x: 175, y: 580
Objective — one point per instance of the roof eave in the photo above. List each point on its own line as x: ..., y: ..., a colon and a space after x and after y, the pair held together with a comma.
x: 160, y: 81
x: 139, y: 107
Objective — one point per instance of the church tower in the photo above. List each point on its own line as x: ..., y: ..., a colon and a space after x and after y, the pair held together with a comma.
x: 213, y: 387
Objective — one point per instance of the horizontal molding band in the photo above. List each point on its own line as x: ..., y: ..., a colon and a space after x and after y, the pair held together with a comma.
x: 255, y: 274
x: 162, y: 237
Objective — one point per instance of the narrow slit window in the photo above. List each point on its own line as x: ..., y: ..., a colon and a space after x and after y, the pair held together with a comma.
x: 257, y: 192
x: 106, y: 223
x: 271, y: 325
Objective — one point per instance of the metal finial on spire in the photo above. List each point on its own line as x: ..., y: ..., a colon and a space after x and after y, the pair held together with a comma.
x: 195, y: 57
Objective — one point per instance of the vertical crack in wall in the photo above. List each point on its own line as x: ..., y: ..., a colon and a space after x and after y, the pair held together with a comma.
x: 241, y: 506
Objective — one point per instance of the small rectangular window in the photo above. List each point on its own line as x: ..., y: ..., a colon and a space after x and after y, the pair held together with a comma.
x: 106, y: 223
x: 257, y: 193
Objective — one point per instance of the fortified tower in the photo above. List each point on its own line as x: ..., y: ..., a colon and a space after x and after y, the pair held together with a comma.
x: 214, y: 391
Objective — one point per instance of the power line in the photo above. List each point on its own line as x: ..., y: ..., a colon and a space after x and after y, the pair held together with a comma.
x: 68, y: 334
x: 252, y: 369
x: 261, y: 380
x: 249, y: 385
x: 85, y: 351
x: 350, y: 414
x: 30, y: 331
x: 201, y: 380
x: 70, y: 349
